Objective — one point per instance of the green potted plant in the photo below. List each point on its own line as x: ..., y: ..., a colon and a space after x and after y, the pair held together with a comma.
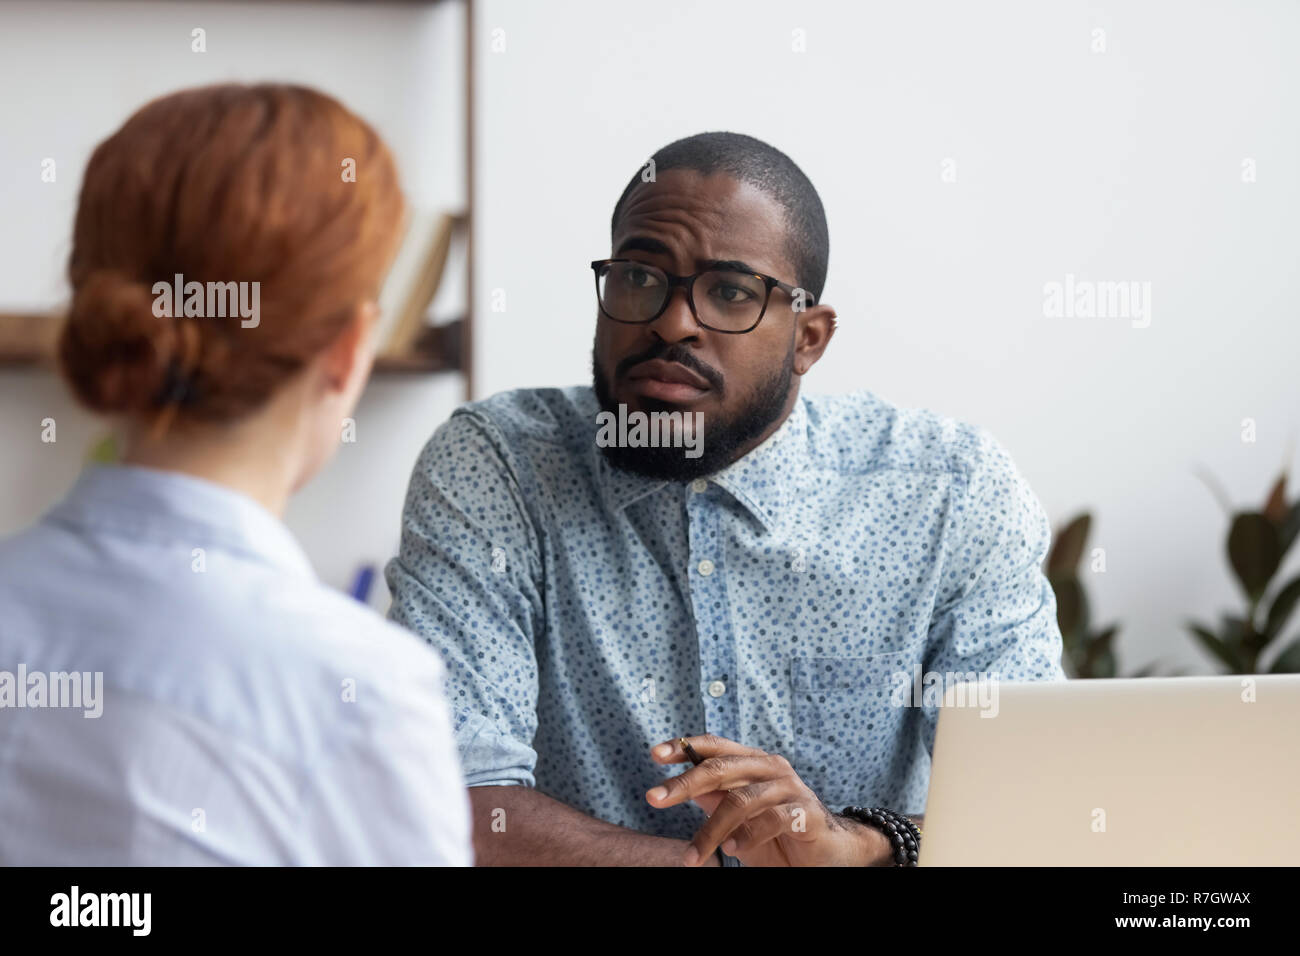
x: 1258, y: 542
x: 1086, y: 652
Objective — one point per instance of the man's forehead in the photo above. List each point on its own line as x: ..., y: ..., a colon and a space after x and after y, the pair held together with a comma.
x: 703, y: 217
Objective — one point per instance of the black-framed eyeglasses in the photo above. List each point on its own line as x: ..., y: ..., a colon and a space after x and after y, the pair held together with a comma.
x: 733, y: 302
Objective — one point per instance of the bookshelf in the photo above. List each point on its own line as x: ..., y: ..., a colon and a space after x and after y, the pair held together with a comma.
x: 424, y: 335
x: 28, y: 340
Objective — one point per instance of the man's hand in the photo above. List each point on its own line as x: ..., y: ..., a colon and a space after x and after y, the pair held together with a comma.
x: 760, y: 811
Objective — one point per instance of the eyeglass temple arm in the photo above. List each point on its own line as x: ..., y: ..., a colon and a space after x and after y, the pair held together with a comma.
x: 790, y: 290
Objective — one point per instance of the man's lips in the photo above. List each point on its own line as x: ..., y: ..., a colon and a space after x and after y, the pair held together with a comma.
x: 666, y: 381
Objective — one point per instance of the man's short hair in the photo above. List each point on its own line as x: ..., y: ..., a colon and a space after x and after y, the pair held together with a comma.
x: 753, y: 161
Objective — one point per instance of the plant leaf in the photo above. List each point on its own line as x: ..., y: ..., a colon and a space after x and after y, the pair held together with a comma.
x: 1232, y: 629
x: 1254, y: 550
x: 1222, y: 651
x: 1105, y: 666
x: 1282, y: 607
x: 1240, y: 635
x: 1288, y: 662
x: 1101, y: 649
x: 1275, y: 509
x: 1067, y: 550
x: 1071, y: 608
x: 1290, y: 526
x: 1099, y: 661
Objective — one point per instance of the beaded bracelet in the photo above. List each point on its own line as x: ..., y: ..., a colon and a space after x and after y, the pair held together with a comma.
x: 909, y: 829
x: 904, y: 837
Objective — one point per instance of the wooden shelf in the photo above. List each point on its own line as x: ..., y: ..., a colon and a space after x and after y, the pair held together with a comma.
x: 28, y: 340
x: 438, y: 348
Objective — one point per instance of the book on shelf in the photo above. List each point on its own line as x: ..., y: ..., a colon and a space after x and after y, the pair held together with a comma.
x: 426, y: 284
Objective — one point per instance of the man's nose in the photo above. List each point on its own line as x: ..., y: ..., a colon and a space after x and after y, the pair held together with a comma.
x: 677, y: 324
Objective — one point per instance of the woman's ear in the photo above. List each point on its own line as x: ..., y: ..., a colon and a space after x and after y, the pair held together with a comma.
x: 346, y: 361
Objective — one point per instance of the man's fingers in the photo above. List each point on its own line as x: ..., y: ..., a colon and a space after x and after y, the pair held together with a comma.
x: 704, y: 745
x: 738, y: 807
x: 718, y: 773
x: 773, y: 822
x: 711, y: 745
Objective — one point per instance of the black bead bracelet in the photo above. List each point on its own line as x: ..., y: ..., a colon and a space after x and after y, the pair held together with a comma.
x: 904, y: 837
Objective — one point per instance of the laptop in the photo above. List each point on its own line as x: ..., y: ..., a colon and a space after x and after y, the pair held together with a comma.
x: 1175, y: 771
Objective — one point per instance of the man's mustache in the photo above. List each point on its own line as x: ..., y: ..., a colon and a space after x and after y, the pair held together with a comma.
x: 672, y: 353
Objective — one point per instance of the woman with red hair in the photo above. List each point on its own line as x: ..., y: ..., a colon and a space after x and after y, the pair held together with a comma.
x: 227, y: 254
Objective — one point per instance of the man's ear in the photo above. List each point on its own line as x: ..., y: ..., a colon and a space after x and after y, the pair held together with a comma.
x: 350, y: 355
x: 813, y: 330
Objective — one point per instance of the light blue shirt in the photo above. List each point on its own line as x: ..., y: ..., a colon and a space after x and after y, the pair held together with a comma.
x: 247, y: 714
x: 586, y: 614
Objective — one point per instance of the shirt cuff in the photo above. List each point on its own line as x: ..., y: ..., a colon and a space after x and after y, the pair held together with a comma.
x: 490, y: 758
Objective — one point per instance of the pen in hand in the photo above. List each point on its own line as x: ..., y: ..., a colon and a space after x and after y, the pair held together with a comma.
x: 696, y: 759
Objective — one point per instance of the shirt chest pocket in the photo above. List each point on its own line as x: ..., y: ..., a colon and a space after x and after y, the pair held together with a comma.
x: 845, y: 723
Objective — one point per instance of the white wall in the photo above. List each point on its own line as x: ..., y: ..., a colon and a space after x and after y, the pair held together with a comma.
x: 1116, y: 166
x: 1124, y: 165
x: 72, y: 72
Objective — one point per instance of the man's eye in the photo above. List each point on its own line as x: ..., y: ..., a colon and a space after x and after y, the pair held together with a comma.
x: 638, y: 278
x: 731, y: 294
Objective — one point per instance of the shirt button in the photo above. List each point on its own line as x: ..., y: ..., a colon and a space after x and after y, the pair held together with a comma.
x: 699, y: 486
x: 717, y: 688
x: 706, y: 568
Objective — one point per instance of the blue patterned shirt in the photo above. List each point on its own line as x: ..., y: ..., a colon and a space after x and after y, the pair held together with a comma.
x: 585, y: 614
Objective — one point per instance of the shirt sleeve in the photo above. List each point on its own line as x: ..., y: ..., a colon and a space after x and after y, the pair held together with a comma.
x: 466, y: 580
x: 997, y: 616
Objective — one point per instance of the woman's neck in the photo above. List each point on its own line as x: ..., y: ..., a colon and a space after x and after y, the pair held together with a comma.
x: 253, y: 458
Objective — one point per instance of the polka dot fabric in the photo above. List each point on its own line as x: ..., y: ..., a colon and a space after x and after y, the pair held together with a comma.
x: 585, y: 614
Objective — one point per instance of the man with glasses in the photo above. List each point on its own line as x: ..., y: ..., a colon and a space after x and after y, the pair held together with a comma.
x: 662, y: 658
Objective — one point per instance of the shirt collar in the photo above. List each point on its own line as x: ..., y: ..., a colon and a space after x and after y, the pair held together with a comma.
x: 765, y: 480
x: 147, y: 503
x: 762, y: 481
x: 619, y: 488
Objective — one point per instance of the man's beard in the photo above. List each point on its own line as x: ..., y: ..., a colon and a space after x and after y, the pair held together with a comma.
x: 721, y: 440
